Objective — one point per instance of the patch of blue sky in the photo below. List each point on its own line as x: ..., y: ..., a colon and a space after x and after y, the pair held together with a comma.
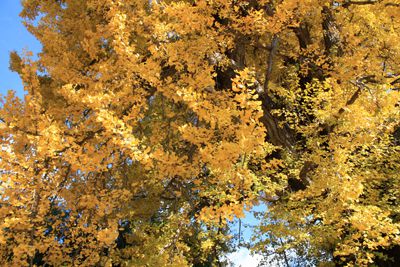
x: 14, y: 37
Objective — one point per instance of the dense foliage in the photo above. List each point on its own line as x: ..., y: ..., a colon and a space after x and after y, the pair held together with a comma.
x: 148, y: 125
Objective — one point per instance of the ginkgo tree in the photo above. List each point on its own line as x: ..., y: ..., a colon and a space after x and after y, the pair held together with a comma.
x: 148, y: 125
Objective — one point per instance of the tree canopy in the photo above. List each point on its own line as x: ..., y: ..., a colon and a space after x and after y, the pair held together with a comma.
x: 148, y: 125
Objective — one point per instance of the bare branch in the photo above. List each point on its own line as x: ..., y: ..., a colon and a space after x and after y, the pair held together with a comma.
x: 362, y: 2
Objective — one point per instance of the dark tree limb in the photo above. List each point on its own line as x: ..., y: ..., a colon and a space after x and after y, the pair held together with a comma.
x: 273, y: 49
x: 303, y: 35
x: 278, y: 136
x: 362, y: 2
x: 331, y: 32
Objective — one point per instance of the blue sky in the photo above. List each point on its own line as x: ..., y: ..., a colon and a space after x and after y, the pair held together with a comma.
x: 14, y: 36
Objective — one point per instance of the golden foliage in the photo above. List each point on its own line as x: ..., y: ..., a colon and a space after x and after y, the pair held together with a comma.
x: 148, y: 125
